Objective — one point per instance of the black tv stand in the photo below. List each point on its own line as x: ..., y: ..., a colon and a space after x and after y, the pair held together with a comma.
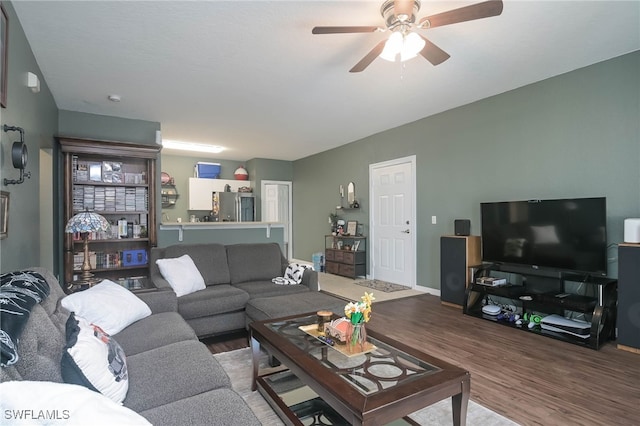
x: 543, y: 292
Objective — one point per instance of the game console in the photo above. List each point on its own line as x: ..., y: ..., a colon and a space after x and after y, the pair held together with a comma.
x: 561, y: 324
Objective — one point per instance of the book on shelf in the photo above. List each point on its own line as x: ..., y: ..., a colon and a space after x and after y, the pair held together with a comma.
x: 491, y: 281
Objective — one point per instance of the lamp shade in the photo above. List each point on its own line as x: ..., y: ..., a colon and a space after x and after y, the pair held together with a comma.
x: 87, y: 222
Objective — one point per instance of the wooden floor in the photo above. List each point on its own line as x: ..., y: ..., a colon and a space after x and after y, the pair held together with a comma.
x: 531, y: 379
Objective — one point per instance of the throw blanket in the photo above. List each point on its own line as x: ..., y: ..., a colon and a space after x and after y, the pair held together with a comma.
x: 19, y: 292
x: 293, y: 274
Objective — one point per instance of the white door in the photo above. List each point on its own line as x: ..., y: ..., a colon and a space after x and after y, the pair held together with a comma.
x: 276, y: 207
x: 392, y: 221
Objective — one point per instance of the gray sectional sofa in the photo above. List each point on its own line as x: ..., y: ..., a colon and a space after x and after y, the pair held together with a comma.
x: 239, y: 287
x: 173, y: 378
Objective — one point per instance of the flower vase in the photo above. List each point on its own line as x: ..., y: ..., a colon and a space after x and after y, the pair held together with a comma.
x: 356, y: 337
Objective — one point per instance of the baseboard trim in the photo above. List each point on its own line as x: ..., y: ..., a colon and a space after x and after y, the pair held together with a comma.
x: 452, y: 305
x: 629, y: 349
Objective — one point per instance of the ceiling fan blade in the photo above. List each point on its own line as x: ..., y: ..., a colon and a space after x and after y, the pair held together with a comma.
x: 468, y: 13
x: 366, y: 61
x: 342, y: 30
x: 403, y: 7
x: 433, y: 53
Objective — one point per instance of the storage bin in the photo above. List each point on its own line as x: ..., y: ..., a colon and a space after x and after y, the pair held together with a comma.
x: 207, y: 170
x: 134, y: 257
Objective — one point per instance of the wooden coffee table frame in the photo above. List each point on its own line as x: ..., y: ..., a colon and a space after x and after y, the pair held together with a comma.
x: 378, y: 408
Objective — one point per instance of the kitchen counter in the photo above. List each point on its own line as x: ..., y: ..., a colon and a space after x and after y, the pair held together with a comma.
x: 197, y: 227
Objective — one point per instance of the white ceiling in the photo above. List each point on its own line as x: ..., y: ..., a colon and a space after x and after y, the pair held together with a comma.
x: 250, y: 76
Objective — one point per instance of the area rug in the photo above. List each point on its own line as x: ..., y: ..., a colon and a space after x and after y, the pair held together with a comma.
x: 238, y: 366
x: 379, y: 285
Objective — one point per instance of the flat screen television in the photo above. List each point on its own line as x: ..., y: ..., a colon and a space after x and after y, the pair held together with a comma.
x: 567, y: 235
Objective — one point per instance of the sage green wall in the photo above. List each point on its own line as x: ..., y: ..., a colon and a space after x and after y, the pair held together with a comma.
x: 574, y: 135
x: 104, y: 127
x: 37, y: 114
x: 264, y: 169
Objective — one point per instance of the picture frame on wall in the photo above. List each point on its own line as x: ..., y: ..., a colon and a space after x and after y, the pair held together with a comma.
x: 4, y: 55
x: 352, y: 227
x: 4, y: 214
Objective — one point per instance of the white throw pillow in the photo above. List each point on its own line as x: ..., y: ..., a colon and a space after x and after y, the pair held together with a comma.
x: 93, y: 359
x: 181, y: 274
x: 64, y: 404
x: 107, y: 305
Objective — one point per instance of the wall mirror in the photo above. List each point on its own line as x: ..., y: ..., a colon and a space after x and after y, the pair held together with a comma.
x: 351, y: 193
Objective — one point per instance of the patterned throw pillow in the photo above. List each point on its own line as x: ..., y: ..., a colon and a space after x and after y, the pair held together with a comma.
x: 20, y: 291
x: 94, y: 360
x: 293, y: 274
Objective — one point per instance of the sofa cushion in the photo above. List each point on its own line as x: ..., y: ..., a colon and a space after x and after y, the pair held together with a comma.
x: 40, y: 349
x: 255, y: 262
x: 216, y: 407
x: 274, y: 307
x: 182, y: 274
x: 107, y: 305
x: 170, y: 373
x: 94, y: 359
x: 210, y: 259
x: 268, y: 289
x: 213, y: 300
x: 218, y: 324
x: 153, y: 332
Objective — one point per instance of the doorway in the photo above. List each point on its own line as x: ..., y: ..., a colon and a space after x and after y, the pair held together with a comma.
x: 276, y: 207
x: 392, y: 221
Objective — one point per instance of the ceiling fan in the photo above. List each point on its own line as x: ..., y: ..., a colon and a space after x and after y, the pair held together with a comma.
x: 400, y: 19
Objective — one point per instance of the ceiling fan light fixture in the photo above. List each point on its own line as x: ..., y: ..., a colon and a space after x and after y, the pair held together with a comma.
x: 392, y: 47
x: 408, y: 46
x: 411, y: 47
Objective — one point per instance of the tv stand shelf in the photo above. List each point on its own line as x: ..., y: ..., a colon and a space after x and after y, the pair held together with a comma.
x: 580, y: 297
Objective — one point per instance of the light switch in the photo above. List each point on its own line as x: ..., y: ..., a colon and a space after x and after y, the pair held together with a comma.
x: 433, y: 220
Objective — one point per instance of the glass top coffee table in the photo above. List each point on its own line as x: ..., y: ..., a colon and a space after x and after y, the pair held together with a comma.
x: 321, y: 385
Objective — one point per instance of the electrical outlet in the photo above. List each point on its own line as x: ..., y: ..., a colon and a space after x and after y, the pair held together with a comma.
x: 433, y: 220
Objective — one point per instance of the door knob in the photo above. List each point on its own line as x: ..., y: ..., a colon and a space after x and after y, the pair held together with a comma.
x: 406, y: 231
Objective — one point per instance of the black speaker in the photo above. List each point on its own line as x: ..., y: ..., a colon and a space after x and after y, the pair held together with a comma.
x: 462, y: 227
x: 457, y: 254
x: 629, y: 295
